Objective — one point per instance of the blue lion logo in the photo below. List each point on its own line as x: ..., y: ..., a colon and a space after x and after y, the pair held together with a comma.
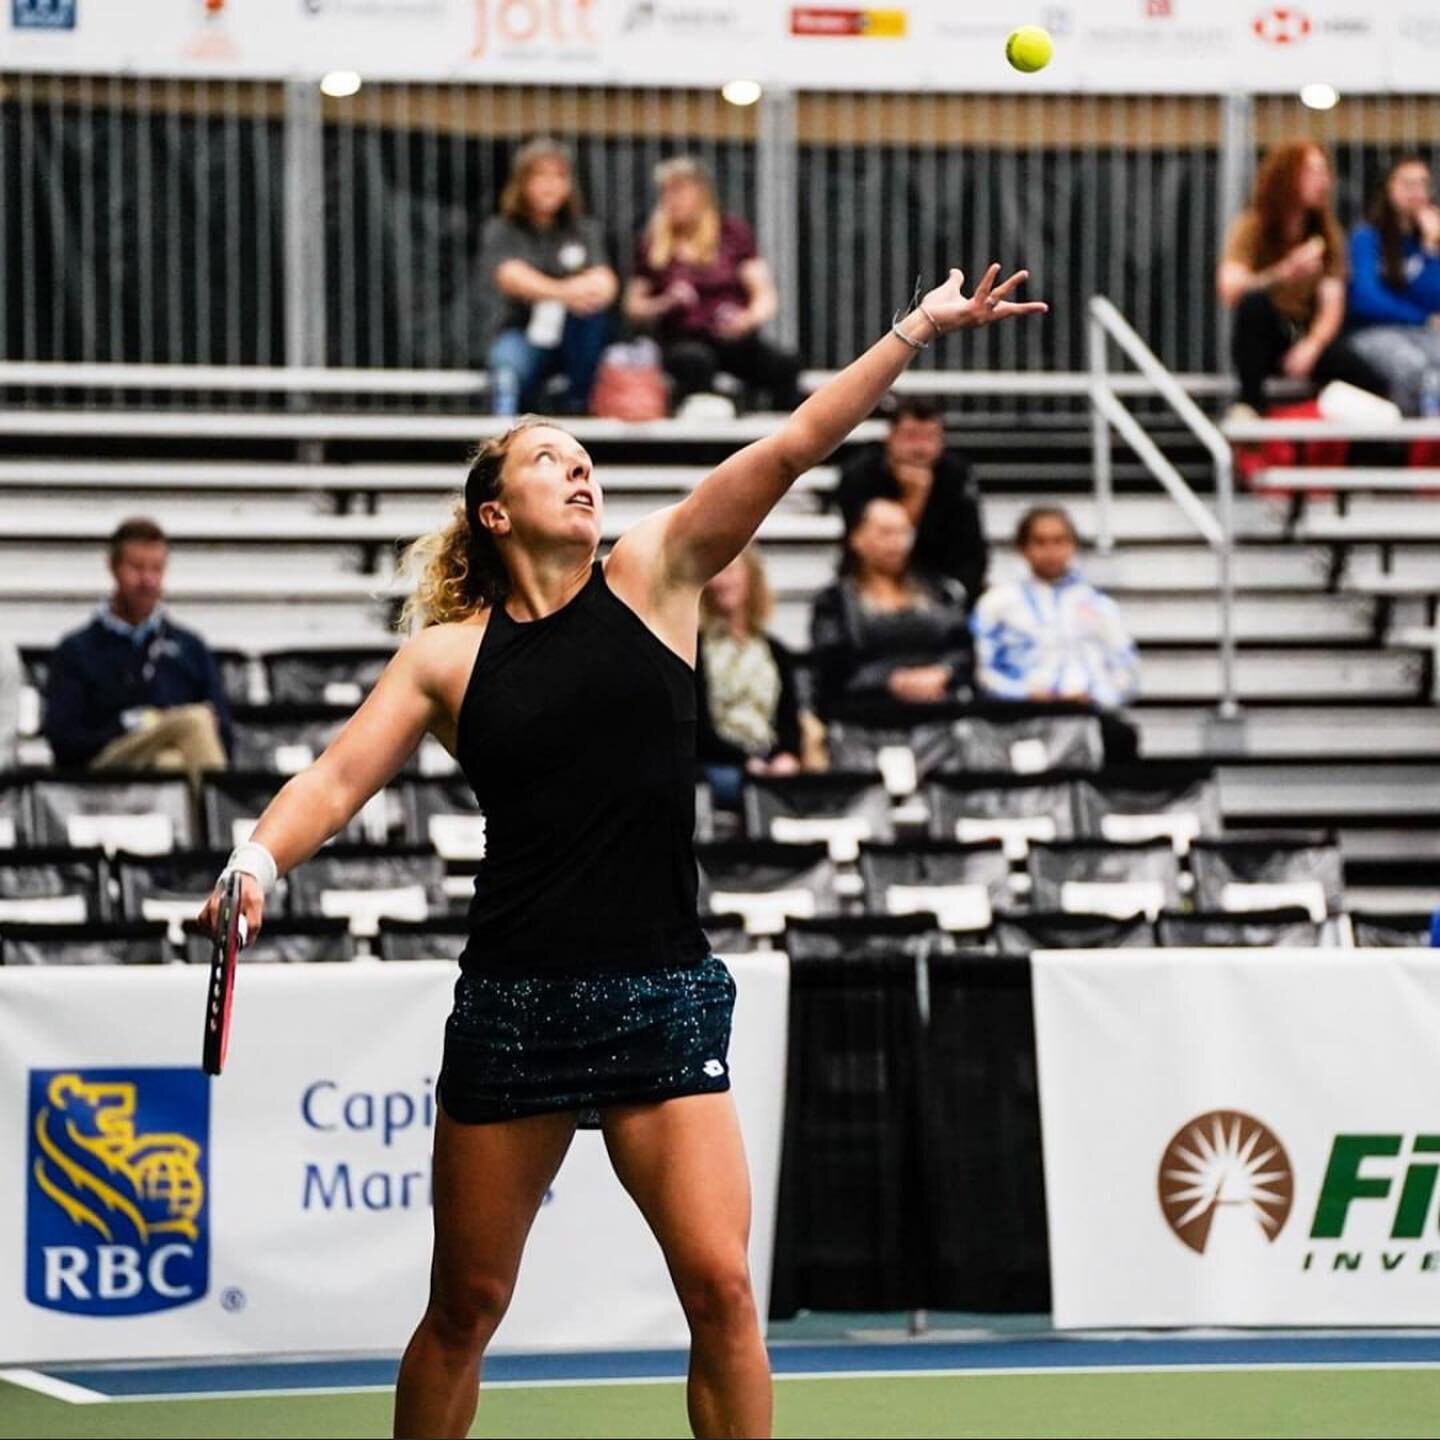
x: 117, y: 1190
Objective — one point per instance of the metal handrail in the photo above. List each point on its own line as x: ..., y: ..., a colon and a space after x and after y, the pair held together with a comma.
x: 1106, y: 324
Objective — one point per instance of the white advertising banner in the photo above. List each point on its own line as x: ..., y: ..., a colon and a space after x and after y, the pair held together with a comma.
x: 1241, y: 1137
x: 152, y: 1211
x: 1132, y: 46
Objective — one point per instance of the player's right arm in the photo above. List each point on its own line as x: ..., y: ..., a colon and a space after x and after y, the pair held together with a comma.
x: 411, y: 699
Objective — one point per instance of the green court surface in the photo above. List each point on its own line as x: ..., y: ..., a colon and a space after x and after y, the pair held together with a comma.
x: 1242, y: 1403
x: 1016, y: 1384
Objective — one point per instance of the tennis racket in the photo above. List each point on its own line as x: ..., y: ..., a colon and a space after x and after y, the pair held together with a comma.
x: 229, y: 937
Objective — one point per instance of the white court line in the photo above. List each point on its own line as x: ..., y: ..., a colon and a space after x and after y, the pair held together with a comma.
x: 982, y: 1373
x: 55, y: 1389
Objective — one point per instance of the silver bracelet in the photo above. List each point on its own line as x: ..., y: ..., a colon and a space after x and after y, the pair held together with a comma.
x: 899, y: 334
x: 934, y: 323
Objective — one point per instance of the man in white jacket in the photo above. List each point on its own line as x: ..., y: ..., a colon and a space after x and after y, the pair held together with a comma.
x: 1053, y: 636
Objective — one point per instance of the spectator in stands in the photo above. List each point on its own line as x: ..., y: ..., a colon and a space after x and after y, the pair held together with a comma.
x: 11, y: 679
x: 934, y: 488
x: 1395, y: 287
x: 885, y: 629
x: 1283, y: 274
x: 1053, y: 637
x: 700, y: 283
x: 133, y: 690
x: 748, y: 707
x: 546, y: 271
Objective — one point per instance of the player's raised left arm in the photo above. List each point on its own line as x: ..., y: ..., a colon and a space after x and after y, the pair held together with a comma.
x: 715, y: 522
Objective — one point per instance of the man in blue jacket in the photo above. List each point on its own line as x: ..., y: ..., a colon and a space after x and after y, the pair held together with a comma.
x: 132, y: 690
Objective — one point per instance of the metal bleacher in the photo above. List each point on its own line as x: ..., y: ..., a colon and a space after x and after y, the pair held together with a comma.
x: 287, y: 516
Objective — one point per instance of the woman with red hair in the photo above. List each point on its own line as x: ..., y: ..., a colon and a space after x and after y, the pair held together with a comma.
x: 1283, y: 274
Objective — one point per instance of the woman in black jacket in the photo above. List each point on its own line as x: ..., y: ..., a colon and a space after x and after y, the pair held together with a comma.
x: 886, y: 630
x: 748, y: 707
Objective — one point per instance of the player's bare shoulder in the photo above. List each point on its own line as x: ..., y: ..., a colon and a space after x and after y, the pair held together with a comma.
x: 440, y: 659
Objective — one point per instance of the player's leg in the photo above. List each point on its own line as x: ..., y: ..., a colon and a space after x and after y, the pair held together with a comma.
x: 489, y: 1181
x: 683, y: 1161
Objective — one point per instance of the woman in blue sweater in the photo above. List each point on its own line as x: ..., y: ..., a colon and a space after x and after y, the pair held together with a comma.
x: 1395, y: 287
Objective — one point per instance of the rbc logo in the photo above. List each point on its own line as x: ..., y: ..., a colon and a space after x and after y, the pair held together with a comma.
x: 117, y: 1202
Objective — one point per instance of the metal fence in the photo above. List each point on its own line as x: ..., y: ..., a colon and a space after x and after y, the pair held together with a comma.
x: 235, y: 222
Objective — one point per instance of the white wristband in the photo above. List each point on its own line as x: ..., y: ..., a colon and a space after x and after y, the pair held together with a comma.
x: 252, y: 859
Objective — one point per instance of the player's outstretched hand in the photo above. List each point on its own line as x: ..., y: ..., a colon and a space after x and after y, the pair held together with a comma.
x: 252, y: 907
x: 951, y: 309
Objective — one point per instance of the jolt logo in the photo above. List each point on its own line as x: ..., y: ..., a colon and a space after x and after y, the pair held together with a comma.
x: 526, y: 22
x: 1224, y: 1161
x: 117, y: 1202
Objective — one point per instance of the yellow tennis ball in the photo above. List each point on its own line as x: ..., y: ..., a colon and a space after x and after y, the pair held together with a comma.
x: 1029, y: 49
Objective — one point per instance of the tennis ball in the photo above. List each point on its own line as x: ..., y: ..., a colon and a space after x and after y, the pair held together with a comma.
x: 1029, y: 49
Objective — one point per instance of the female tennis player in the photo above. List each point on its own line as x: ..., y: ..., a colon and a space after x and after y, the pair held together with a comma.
x: 564, y: 687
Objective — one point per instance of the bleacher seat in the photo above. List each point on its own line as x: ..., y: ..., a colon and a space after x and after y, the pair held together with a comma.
x: 866, y: 937
x: 910, y: 749
x: 1017, y: 811
x: 16, y: 825
x: 144, y: 813
x: 841, y: 810
x: 1270, y: 873
x: 1092, y: 877
x: 231, y: 801
x: 284, y: 738
x: 1021, y: 934
x: 1028, y: 744
x: 440, y: 811
x: 117, y: 943
x: 1258, y: 928
x: 960, y: 885
x: 704, y: 814
x: 283, y: 940
x: 323, y: 677
x: 362, y: 884
x: 173, y: 887
x: 237, y: 676
x: 727, y: 934
x: 1181, y: 803
x: 439, y: 937
x: 1373, y: 930
x: 767, y: 882
x: 905, y: 754
x: 53, y: 886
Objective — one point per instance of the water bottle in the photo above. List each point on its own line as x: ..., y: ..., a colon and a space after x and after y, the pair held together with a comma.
x: 505, y: 392
x: 1430, y: 394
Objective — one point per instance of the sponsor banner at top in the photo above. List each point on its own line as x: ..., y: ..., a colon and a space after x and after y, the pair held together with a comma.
x: 1127, y: 46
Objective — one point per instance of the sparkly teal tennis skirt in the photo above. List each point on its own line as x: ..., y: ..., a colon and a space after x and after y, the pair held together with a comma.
x: 531, y: 1045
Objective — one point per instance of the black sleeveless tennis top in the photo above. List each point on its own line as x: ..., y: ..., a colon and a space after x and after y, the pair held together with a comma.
x: 577, y: 734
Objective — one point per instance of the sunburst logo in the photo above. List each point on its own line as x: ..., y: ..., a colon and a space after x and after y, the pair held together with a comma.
x: 1224, y: 1159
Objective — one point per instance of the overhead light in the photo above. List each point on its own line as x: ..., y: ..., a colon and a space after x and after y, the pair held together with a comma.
x: 1319, y: 96
x: 741, y: 92
x: 340, y: 83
